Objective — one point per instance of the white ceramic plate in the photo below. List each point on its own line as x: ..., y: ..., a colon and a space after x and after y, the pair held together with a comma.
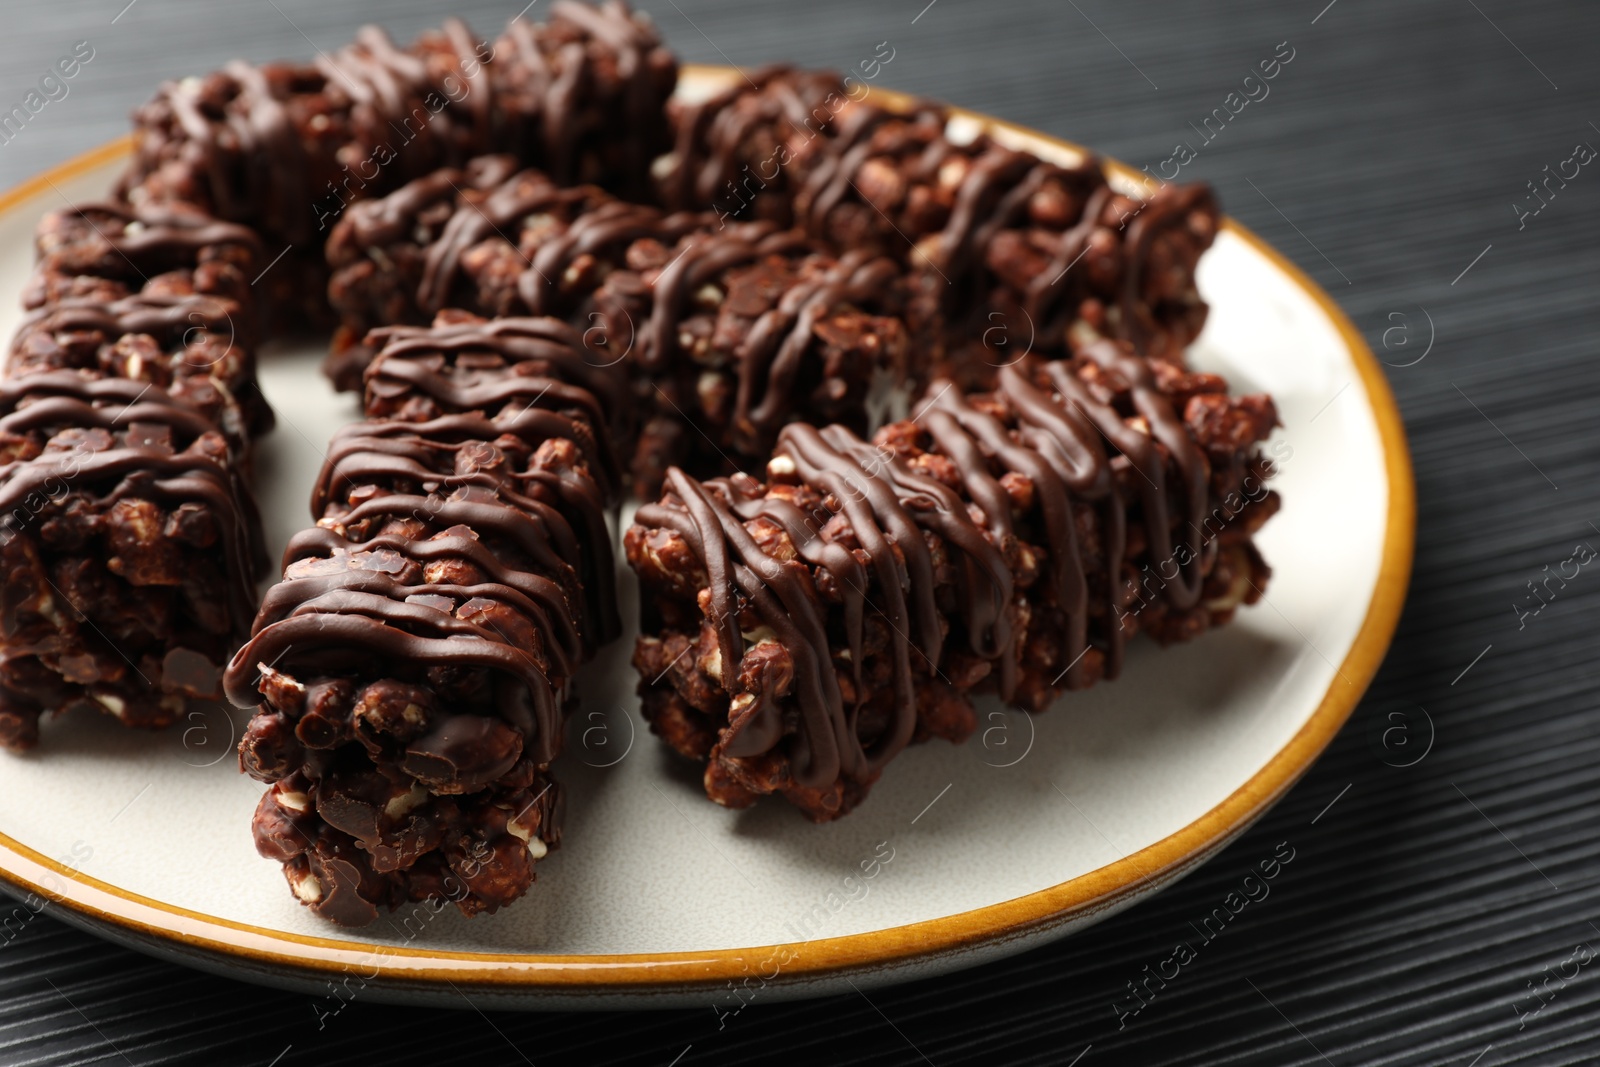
x: 1036, y: 828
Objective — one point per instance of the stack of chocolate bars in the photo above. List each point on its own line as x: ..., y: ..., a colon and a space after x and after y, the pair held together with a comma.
x: 906, y: 409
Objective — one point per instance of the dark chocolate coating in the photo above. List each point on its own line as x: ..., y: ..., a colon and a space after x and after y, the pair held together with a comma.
x: 200, y: 349
x: 399, y: 495
x: 411, y: 671
x: 172, y: 467
x: 356, y: 618
x: 128, y: 412
x: 384, y: 452
x: 887, y: 506
x: 1066, y: 441
x: 1061, y: 447
x: 549, y: 369
x: 284, y: 147
x: 462, y: 754
x: 139, y: 242
x: 804, y: 148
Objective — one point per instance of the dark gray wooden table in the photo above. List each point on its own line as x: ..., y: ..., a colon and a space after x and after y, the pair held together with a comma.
x: 1437, y: 913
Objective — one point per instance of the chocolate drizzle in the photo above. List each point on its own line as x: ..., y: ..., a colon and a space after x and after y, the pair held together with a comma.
x: 772, y: 355
x: 141, y: 241
x: 263, y: 147
x: 639, y: 61
x: 888, y: 507
x: 605, y: 231
x: 1059, y: 443
x: 491, y: 201
x: 1056, y: 432
x: 463, y: 366
x: 633, y: 277
x: 593, y: 71
x: 821, y: 136
x: 587, y: 242
x: 1168, y: 208
x: 159, y: 449
x: 168, y: 319
x: 393, y: 93
x: 798, y: 147
x: 712, y: 135
x: 484, y: 470
x: 284, y: 145
x: 531, y: 379
x: 1061, y: 454
x: 393, y: 217
x: 701, y: 258
x: 345, y: 621
x: 568, y: 505
x: 774, y: 352
x: 127, y: 415
x: 196, y: 346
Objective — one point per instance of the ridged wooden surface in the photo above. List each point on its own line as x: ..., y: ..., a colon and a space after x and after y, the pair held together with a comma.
x: 1429, y: 902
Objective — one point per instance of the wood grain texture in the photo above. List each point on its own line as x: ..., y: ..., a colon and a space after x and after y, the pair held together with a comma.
x: 1420, y: 905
